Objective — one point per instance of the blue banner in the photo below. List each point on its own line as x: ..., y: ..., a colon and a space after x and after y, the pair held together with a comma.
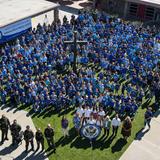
x: 90, y: 131
x: 14, y: 30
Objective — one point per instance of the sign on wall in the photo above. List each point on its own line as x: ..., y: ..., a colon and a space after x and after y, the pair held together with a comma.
x: 13, y: 30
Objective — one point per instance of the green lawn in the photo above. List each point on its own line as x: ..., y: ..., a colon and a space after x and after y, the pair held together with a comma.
x: 77, y: 148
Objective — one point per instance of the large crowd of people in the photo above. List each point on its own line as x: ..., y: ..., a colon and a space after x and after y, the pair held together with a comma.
x: 121, y: 51
x: 116, y: 69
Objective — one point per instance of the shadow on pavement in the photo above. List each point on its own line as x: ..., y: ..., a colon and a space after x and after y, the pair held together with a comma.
x: 140, y: 134
x: 33, y: 156
x: 8, y: 150
x: 86, y: 4
x: 23, y: 155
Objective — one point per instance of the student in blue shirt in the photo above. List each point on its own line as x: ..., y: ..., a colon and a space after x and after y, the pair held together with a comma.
x: 77, y: 123
x: 3, y: 96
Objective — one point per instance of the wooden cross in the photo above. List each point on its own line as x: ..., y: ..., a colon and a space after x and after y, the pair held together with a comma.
x: 75, y: 42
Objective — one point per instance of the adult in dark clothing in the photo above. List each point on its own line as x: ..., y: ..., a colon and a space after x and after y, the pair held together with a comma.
x: 12, y: 97
x: 96, y: 3
x: 4, y: 126
x: 147, y: 117
x: 126, y: 127
x: 39, y: 139
x: 28, y: 137
x: 49, y: 134
x: 73, y: 20
x: 15, y: 130
x: 157, y: 92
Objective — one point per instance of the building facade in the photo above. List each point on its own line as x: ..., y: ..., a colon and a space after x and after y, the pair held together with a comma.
x: 144, y: 10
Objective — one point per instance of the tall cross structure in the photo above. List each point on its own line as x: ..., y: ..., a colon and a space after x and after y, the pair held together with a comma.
x: 75, y: 42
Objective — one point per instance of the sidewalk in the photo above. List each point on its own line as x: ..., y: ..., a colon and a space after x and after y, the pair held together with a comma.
x: 78, y: 4
x: 8, y: 152
x: 81, y: 4
x: 67, y: 8
x: 147, y: 144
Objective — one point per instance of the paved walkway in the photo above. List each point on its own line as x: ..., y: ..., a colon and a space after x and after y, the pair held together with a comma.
x: 62, y: 12
x: 79, y: 4
x: 68, y: 9
x: 8, y: 152
x: 147, y: 144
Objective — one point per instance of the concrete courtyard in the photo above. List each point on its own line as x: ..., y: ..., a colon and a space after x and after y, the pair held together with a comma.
x: 8, y: 152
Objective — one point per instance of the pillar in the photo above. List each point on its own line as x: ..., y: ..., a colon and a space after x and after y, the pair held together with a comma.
x: 56, y: 14
x: 125, y: 9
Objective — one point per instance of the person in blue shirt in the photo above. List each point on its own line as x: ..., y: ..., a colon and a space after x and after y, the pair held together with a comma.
x: 3, y: 96
x: 77, y: 122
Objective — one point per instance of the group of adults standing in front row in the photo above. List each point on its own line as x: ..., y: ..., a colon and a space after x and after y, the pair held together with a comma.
x: 98, y: 117
x: 78, y: 121
x: 28, y: 135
